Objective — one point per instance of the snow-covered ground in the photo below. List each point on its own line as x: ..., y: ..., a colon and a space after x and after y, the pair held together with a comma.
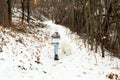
x: 30, y: 56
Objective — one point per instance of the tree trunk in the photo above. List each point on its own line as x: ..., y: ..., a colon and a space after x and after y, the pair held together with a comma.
x: 23, y: 9
x: 3, y: 13
x: 9, y: 2
x: 28, y: 11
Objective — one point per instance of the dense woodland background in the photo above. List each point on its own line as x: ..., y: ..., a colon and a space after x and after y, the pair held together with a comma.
x: 96, y: 21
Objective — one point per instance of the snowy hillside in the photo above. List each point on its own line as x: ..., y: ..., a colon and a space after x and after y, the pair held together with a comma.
x: 29, y: 56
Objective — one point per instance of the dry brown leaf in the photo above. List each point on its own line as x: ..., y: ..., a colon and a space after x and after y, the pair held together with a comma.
x: 78, y: 75
x: 1, y: 49
x: 54, y: 65
x: 20, y: 61
x: 96, y: 64
x: 84, y: 73
x: 90, y: 68
x: 116, y: 68
x: 61, y: 62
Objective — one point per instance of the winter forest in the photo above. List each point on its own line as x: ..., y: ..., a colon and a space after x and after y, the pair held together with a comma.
x: 87, y: 48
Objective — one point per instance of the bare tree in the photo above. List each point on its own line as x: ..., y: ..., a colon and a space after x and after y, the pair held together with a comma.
x: 28, y: 11
x: 23, y: 9
x: 3, y: 13
x: 9, y: 2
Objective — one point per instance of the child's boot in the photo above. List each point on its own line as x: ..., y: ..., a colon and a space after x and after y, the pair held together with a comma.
x: 56, y: 57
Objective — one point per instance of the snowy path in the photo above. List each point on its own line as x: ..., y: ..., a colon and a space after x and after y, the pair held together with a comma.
x: 61, y: 69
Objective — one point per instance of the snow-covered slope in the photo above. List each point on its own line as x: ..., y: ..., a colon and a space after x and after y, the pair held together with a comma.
x: 29, y: 56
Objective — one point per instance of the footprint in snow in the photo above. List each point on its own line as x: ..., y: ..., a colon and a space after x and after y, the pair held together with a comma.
x: 56, y: 63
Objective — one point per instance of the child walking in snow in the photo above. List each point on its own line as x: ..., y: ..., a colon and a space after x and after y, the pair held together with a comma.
x: 55, y: 41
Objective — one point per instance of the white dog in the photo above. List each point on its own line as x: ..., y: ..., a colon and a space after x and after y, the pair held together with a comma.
x: 65, y: 46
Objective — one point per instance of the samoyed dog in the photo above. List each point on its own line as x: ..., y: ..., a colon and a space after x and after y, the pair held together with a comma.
x: 65, y: 46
